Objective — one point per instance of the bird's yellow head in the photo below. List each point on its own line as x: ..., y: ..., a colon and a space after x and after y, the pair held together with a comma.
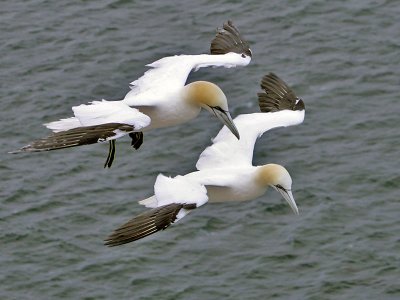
x: 209, y: 96
x: 206, y: 94
x: 279, y: 178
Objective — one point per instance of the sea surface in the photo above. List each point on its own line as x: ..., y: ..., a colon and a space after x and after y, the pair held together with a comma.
x: 341, y: 57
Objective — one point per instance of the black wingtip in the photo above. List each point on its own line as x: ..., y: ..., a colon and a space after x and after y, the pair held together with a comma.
x: 277, y: 95
x: 300, y: 105
x: 228, y: 39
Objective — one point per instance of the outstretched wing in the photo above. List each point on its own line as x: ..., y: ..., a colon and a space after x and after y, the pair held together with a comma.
x: 228, y: 49
x: 174, y: 198
x: 97, y: 122
x: 280, y: 108
x: 79, y: 136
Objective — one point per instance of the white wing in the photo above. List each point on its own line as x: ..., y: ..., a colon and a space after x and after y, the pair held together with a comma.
x: 179, y: 190
x: 280, y: 108
x: 101, y: 112
x: 169, y: 74
x: 98, y: 122
x: 227, y: 151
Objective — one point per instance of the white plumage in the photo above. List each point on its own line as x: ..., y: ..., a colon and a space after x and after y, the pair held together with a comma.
x: 225, y: 170
x: 157, y: 99
x: 160, y: 86
x: 225, y: 166
x: 168, y: 75
x: 101, y: 112
x: 227, y: 152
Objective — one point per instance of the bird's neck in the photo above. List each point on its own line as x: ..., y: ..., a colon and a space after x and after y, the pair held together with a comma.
x: 265, y: 175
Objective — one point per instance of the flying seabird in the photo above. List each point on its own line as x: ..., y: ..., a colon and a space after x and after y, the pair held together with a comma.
x: 225, y: 170
x: 158, y: 99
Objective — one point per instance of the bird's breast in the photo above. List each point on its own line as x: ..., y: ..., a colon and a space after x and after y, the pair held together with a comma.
x: 170, y: 114
x: 234, y: 193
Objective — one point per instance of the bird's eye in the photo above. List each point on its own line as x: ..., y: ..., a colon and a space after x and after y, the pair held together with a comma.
x: 244, y: 56
x: 278, y: 186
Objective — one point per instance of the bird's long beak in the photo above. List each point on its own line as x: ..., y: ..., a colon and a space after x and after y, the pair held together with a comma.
x: 225, y: 117
x: 290, y: 200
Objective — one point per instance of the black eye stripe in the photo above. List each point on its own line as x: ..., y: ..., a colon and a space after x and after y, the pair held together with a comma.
x: 218, y: 108
x: 279, y: 187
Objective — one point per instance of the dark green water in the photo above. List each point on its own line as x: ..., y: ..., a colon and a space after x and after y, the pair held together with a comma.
x: 341, y: 57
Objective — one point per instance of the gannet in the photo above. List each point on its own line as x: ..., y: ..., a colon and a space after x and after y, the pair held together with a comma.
x: 158, y: 99
x: 225, y: 170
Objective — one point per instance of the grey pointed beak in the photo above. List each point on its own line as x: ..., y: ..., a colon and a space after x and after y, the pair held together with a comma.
x: 225, y: 117
x: 289, y: 198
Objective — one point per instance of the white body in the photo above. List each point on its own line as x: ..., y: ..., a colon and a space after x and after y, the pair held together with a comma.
x: 155, y: 100
x: 233, y: 184
x: 170, y: 113
x: 225, y: 170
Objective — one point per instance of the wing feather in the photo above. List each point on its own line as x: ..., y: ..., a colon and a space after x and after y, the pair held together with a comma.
x: 228, y: 39
x: 100, y: 112
x: 145, y: 224
x: 86, y: 135
x: 97, y: 122
x: 179, y: 189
